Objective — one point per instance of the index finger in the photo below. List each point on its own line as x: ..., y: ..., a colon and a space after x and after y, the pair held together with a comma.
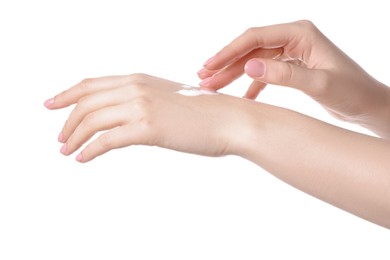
x: 268, y: 37
x: 85, y: 88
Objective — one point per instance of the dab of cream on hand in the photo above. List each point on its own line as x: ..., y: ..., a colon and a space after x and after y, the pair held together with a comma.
x: 194, y: 91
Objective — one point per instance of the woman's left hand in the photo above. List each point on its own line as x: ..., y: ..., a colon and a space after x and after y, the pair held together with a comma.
x: 140, y: 109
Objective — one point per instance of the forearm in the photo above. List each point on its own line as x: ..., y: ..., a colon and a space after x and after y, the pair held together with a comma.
x: 376, y: 114
x: 343, y: 168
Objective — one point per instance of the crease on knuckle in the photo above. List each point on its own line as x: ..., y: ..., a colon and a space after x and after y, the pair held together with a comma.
x: 89, y: 121
x: 139, y: 83
x: 138, y: 77
x: 253, y: 35
x: 286, y: 74
x: 105, y: 141
x: 144, y: 116
x: 82, y: 105
x: 141, y: 105
x: 307, y: 26
x: 86, y: 83
x: 251, y: 31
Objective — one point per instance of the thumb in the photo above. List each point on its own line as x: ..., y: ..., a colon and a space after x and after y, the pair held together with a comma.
x: 284, y: 74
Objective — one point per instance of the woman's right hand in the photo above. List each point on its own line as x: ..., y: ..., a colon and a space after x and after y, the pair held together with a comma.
x: 298, y: 55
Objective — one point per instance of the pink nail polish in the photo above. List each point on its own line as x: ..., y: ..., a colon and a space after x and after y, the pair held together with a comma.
x: 79, y: 157
x: 255, y: 68
x: 206, y: 82
x: 60, y: 138
x: 48, y: 103
x: 209, y: 61
x: 202, y: 71
x: 63, y: 149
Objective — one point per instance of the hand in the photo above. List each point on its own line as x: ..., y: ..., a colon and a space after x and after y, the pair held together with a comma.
x: 141, y: 109
x: 298, y: 55
x: 330, y: 163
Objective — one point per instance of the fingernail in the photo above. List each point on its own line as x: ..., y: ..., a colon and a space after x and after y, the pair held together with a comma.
x: 63, y: 149
x: 255, y: 68
x: 206, y: 82
x: 60, y: 138
x: 202, y: 72
x: 79, y: 157
x: 209, y: 61
x: 48, y: 103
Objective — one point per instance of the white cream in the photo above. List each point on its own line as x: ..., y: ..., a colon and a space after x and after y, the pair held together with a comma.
x: 194, y: 91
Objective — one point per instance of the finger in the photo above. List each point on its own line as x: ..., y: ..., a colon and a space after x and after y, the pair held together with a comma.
x: 287, y: 74
x: 116, y: 138
x: 104, y: 119
x: 230, y: 73
x: 94, y: 102
x: 205, y: 73
x: 84, y: 88
x: 254, y: 38
x: 254, y: 89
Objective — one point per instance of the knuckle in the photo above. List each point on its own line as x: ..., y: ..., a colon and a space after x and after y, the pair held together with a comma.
x: 86, y: 83
x: 82, y: 105
x: 141, y: 105
x: 89, y: 120
x: 321, y: 84
x: 138, y: 77
x: 143, y: 113
x: 105, y: 140
x: 251, y: 31
x: 306, y: 25
x: 139, y: 83
x: 146, y: 124
x: 139, y: 89
x: 286, y: 73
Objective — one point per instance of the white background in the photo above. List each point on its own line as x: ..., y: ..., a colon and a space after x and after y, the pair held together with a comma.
x: 147, y: 202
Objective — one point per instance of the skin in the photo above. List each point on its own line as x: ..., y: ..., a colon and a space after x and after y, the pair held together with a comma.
x: 306, y: 60
x: 344, y: 168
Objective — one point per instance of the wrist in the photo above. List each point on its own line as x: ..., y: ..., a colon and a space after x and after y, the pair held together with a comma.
x: 377, y: 118
x: 259, y: 131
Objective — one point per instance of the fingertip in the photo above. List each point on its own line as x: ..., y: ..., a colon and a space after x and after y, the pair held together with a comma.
x: 60, y: 137
x: 64, y: 149
x: 206, y: 83
x: 254, y: 89
x: 209, y: 61
x: 202, y: 73
x: 80, y: 158
x: 49, y: 103
x: 249, y: 96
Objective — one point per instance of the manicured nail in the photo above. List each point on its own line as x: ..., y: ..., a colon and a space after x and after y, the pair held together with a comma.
x: 48, y: 103
x: 206, y: 82
x: 255, y: 68
x: 79, y: 157
x: 63, y: 149
x: 61, y: 138
x: 209, y: 61
x: 202, y: 72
